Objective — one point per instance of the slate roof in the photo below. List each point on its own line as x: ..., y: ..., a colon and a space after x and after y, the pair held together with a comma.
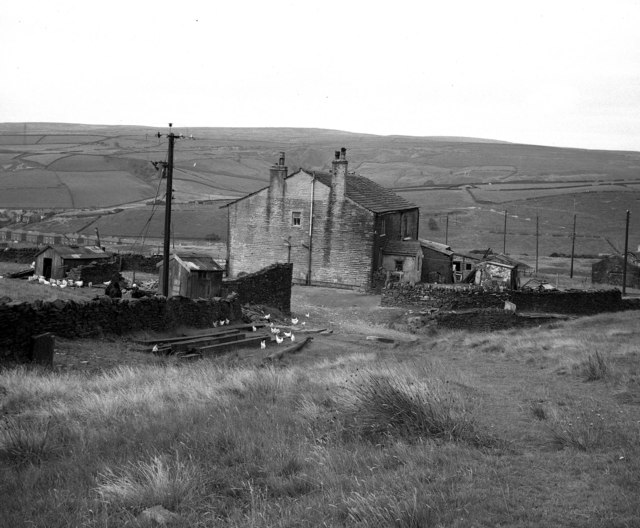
x: 78, y: 252
x: 363, y: 191
x: 402, y: 247
x: 369, y: 194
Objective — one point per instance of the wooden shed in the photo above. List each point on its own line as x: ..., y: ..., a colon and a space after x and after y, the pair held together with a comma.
x: 55, y: 261
x: 193, y: 275
x: 438, y: 262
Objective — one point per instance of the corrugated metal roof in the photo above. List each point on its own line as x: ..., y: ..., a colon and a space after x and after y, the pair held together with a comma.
x: 369, y: 194
x: 402, y: 247
x: 437, y: 246
x: 78, y: 252
x: 196, y: 261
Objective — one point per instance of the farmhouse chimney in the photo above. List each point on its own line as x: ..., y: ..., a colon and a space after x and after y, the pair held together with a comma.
x: 277, y: 173
x: 339, y: 173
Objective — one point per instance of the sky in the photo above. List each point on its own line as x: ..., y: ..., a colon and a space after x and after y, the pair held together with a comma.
x: 547, y: 72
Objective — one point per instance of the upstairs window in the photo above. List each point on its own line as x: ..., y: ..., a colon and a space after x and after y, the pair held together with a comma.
x: 296, y: 219
x: 399, y: 265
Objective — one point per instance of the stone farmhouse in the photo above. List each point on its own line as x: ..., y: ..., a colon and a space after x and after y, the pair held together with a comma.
x: 333, y: 227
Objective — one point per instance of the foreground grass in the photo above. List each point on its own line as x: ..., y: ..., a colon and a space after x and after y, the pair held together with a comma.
x: 515, y: 429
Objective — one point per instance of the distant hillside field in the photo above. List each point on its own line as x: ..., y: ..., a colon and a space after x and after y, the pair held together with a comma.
x: 473, y: 181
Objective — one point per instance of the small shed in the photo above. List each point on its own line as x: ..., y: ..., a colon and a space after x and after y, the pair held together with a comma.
x: 403, y: 258
x: 193, y: 275
x: 438, y: 262
x: 463, y: 265
x: 496, y: 274
x: 609, y: 270
x: 53, y: 262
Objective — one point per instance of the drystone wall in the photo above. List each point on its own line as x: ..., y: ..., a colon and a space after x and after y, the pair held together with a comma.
x: 21, y: 255
x: 135, y: 262
x: 270, y: 286
x: 95, y: 272
x: 19, y: 322
x: 447, y: 298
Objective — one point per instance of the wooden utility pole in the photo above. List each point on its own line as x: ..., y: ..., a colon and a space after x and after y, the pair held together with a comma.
x: 573, y: 245
x: 626, y: 251
x: 537, y: 238
x: 504, y: 238
x: 446, y: 231
x: 167, y: 213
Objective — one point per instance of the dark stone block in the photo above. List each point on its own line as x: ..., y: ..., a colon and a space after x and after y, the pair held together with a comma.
x: 43, y: 347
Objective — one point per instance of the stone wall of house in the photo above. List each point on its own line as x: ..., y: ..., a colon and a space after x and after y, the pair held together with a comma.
x: 19, y: 322
x: 24, y: 255
x: 270, y: 286
x: 446, y: 298
x: 262, y: 232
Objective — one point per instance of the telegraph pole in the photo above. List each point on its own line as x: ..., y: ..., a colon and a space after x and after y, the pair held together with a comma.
x: 573, y: 245
x: 167, y: 212
x: 626, y: 251
x: 537, y: 238
x: 446, y: 231
x: 504, y: 239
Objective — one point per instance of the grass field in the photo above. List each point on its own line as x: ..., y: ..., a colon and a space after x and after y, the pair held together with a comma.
x: 524, y: 429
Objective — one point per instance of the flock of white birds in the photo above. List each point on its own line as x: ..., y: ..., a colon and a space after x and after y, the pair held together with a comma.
x: 277, y: 331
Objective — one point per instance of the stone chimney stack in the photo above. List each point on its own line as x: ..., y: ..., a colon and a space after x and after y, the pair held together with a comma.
x: 277, y: 173
x: 339, y: 173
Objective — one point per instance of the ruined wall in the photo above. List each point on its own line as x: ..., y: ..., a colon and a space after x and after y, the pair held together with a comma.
x: 270, y: 286
x: 432, y: 297
x: 20, y: 321
x: 261, y: 228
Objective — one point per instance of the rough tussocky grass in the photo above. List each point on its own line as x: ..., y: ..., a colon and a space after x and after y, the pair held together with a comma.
x: 238, y: 446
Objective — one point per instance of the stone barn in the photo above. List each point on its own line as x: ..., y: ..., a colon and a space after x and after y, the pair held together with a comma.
x: 54, y: 262
x: 193, y: 275
x: 332, y: 226
x: 610, y: 270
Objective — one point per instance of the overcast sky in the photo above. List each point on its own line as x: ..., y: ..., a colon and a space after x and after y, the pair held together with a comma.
x: 558, y: 72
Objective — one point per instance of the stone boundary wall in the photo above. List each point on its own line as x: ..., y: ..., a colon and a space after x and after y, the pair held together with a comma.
x: 95, y: 272
x: 135, y: 262
x: 270, y: 286
x: 21, y: 255
x: 19, y: 322
x: 447, y: 298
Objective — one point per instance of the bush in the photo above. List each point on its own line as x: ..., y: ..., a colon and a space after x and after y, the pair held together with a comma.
x: 596, y: 367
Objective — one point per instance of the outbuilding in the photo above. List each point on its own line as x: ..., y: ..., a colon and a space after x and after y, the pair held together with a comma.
x: 610, y: 270
x: 193, y: 275
x: 53, y: 262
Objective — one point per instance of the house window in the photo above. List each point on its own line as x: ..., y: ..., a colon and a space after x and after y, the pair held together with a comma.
x: 383, y: 227
x: 296, y: 219
x: 468, y: 266
x: 399, y: 265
